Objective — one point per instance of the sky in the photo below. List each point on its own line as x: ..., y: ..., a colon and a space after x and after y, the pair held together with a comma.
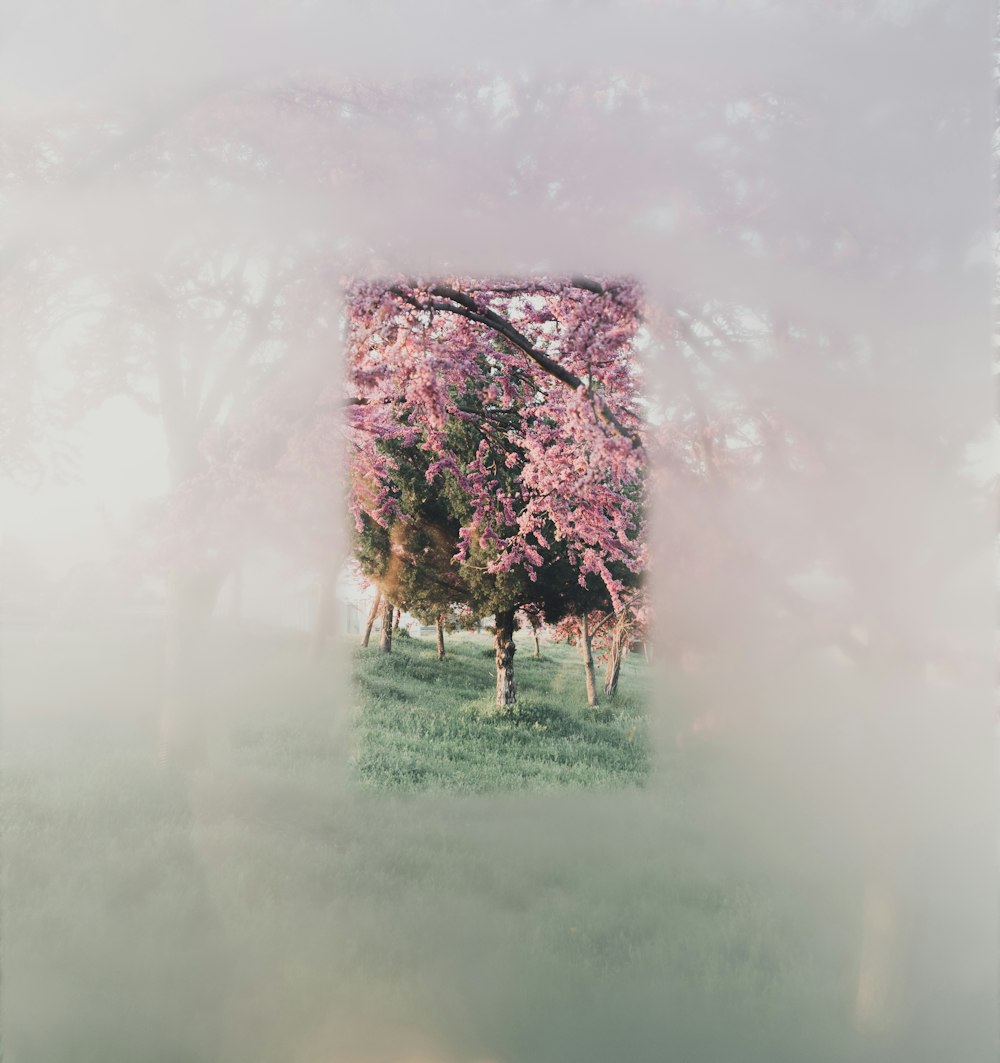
x: 121, y: 463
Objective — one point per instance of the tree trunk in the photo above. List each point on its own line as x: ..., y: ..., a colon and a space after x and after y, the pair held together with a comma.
x: 385, y: 636
x: 619, y: 641
x: 613, y: 669
x: 395, y: 622
x: 440, y: 636
x: 534, y: 635
x: 503, y: 642
x: 588, y: 660
x: 370, y: 622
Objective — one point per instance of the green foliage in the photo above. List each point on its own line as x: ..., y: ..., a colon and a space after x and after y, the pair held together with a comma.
x: 415, y: 558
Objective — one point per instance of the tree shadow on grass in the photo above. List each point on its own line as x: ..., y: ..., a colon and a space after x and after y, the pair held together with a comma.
x: 428, y: 724
x: 529, y: 712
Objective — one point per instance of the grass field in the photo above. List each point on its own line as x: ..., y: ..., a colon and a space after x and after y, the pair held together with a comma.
x: 297, y: 900
x: 427, y: 724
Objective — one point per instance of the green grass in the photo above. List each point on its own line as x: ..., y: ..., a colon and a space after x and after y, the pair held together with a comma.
x: 264, y: 907
x: 426, y: 724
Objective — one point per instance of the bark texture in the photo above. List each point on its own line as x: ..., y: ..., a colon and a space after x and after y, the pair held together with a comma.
x: 385, y: 636
x: 370, y: 622
x: 620, y: 637
x: 503, y: 642
x: 440, y: 636
x: 588, y: 661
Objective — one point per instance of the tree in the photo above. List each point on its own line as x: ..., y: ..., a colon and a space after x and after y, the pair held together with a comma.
x: 629, y: 623
x: 411, y: 560
x: 532, y: 615
x: 372, y: 614
x: 516, y: 403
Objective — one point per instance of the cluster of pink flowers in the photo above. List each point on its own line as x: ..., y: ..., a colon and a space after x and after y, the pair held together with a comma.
x: 546, y: 372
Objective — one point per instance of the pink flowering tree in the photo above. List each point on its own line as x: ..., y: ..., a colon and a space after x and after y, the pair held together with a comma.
x: 518, y: 403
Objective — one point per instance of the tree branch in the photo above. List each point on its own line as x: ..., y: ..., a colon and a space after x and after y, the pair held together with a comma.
x: 626, y: 602
x: 464, y: 306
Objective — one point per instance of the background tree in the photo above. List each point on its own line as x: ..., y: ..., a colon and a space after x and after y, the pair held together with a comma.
x: 533, y: 618
x: 411, y: 559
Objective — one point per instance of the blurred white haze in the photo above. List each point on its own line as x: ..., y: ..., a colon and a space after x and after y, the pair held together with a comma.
x: 802, y: 189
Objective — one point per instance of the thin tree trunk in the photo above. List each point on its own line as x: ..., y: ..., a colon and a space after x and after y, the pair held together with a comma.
x: 614, y: 668
x: 385, y: 636
x: 440, y: 636
x: 503, y: 642
x: 619, y: 640
x: 534, y: 635
x: 370, y: 622
x: 395, y: 622
x: 588, y: 660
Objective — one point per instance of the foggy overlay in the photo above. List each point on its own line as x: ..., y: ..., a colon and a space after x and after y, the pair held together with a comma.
x: 804, y: 195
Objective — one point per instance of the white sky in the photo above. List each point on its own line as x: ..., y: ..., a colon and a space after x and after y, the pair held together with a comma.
x: 122, y: 461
